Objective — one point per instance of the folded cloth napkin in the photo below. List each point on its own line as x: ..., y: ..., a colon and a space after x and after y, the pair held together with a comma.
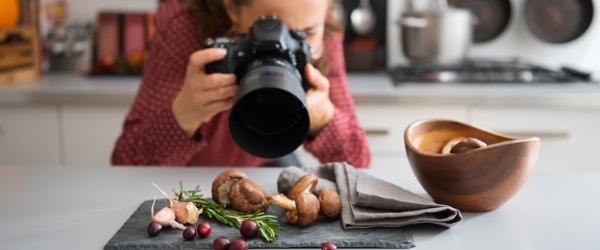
x: 371, y: 202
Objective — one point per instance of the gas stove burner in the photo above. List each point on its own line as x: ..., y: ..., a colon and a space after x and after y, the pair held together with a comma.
x: 488, y: 71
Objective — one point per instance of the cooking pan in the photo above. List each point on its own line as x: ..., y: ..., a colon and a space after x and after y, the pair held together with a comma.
x: 491, y: 17
x: 559, y: 21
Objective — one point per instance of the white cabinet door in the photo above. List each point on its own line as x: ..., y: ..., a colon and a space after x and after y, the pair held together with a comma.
x: 29, y: 135
x: 90, y: 133
x: 569, y: 139
x: 385, y: 124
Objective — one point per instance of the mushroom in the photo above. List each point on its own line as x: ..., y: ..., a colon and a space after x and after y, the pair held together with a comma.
x: 301, y: 204
x: 223, y: 182
x: 450, y: 143
x: 302, y: 211
x: 248, y: 196
x: 306, y: 184
x: 331, y: 204
x: 466, y: 145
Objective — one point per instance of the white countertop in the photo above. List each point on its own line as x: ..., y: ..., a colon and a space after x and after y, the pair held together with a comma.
x: 367, y: 88
x: 82, y: 207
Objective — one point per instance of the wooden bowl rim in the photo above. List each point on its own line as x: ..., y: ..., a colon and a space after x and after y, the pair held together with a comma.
x: 510, y: 140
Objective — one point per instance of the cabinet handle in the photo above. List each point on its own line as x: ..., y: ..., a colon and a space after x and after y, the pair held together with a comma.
x: 544, y: 134
x: 377, y: 131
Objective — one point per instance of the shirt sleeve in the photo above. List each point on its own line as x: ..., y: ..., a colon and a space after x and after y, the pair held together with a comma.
x: 342, y: 139
x: 151, y: 135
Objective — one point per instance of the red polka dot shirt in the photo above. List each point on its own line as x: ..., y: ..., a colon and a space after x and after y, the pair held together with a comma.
x: 151, y: 135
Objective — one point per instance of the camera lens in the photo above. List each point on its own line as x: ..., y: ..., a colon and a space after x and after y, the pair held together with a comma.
x: 269, y: 118
x: 270, y: 111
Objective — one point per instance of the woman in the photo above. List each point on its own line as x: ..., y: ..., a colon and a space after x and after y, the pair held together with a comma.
x: 180, y: 114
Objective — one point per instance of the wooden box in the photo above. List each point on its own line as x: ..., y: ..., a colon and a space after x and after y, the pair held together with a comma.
x: 20, y: 51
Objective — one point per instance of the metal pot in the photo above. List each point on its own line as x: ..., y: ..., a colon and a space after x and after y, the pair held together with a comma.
x: 439, y: 35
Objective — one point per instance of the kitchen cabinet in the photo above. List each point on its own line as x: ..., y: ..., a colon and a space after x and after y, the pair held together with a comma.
x: 29, y: 134
x: 385, y: 125
x: 90, y: 132
x: 569, y: 138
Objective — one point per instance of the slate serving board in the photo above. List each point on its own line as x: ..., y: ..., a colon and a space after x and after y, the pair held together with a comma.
x: 134, y: 235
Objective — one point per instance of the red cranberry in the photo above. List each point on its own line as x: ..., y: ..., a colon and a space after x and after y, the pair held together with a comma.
x: 189, y: 233
x: 328, y: 246
x: 249, y: 229
x: 204, y: 229
x: 154, y: 228
x: 238, y: 244
x: 221, y: 243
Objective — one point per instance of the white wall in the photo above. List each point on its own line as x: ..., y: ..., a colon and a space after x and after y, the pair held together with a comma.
x: 86, y: 10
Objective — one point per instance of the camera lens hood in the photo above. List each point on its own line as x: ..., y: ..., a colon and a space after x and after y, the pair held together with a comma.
x: 270, y: 118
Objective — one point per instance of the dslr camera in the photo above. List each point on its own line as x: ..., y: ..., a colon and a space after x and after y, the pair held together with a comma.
x: 269, y: 117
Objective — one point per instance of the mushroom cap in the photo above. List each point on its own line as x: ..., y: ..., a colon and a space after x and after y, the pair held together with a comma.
x: 248, y: 196
x: 331, y: 204
x: 466, y: 145
x: 307, y: 183
x: 223, y: 182
x: 307, y: 209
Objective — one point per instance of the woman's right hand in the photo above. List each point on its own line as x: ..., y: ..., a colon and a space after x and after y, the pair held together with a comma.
x: 203, y: 95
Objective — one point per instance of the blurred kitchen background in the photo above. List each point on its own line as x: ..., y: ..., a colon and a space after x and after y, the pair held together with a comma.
x: 69, y: 70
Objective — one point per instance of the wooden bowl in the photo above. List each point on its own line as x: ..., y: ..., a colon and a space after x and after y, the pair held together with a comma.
x: 478, y: 180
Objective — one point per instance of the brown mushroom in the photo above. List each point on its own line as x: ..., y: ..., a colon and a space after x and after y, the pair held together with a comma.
x: 306, y: 184
x: 302, y: 211
x: 450, y: 143
x: 223, y: 182
x: 466, y: 145
x: 331, y: 204
x: 248, y: 196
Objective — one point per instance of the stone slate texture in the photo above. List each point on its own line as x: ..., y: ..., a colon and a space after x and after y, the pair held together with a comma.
x: 133, y: 234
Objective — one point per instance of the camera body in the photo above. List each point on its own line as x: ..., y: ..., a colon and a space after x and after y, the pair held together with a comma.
x: 269, y: 117
x: 268, y: 37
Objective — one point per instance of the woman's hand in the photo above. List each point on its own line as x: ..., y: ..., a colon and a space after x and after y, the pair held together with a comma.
x: 320, y: 107
x: 203, y: 96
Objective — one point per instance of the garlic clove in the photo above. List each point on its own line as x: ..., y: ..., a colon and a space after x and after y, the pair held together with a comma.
x: 165, y: 217
x: 186, y: 214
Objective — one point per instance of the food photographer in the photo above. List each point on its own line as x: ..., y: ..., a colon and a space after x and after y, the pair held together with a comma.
x: 181, y: 114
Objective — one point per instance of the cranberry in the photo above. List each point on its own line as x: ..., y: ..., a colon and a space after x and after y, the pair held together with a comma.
x: 249, y: 229
x: 189, y: 233
x: 154, y: 228
x: 221, y: 243
x: 238, y: 244
x: 328, y: 246
x: 204, y: 229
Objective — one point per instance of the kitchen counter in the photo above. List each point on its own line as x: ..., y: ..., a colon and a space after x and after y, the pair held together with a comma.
x: 81, y: 207
x: 372, y: 88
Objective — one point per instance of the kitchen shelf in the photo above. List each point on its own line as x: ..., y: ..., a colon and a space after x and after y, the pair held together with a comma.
x: 16, y: 62
x: 15, y: 48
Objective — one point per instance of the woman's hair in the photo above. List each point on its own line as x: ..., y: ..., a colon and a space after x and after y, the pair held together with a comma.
x: 211, y: 20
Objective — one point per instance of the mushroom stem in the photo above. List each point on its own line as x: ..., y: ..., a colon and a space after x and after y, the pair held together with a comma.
x: 281, y: 201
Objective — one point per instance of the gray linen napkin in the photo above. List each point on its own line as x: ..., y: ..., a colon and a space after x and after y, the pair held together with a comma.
x: 370, y: 202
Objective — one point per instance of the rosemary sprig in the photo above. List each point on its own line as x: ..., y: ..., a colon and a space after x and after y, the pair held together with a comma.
x: 267, y: 224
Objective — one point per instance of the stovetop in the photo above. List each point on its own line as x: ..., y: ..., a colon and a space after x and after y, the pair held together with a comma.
x: 488, y: 71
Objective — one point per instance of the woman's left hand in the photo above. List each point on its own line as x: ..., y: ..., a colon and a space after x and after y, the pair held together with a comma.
x: 320, y: 107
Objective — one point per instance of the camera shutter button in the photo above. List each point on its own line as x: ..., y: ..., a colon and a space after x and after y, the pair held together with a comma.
x: 209, y: 42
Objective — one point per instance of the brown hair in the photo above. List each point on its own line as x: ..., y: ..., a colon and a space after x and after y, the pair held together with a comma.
x: 211, y: 19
